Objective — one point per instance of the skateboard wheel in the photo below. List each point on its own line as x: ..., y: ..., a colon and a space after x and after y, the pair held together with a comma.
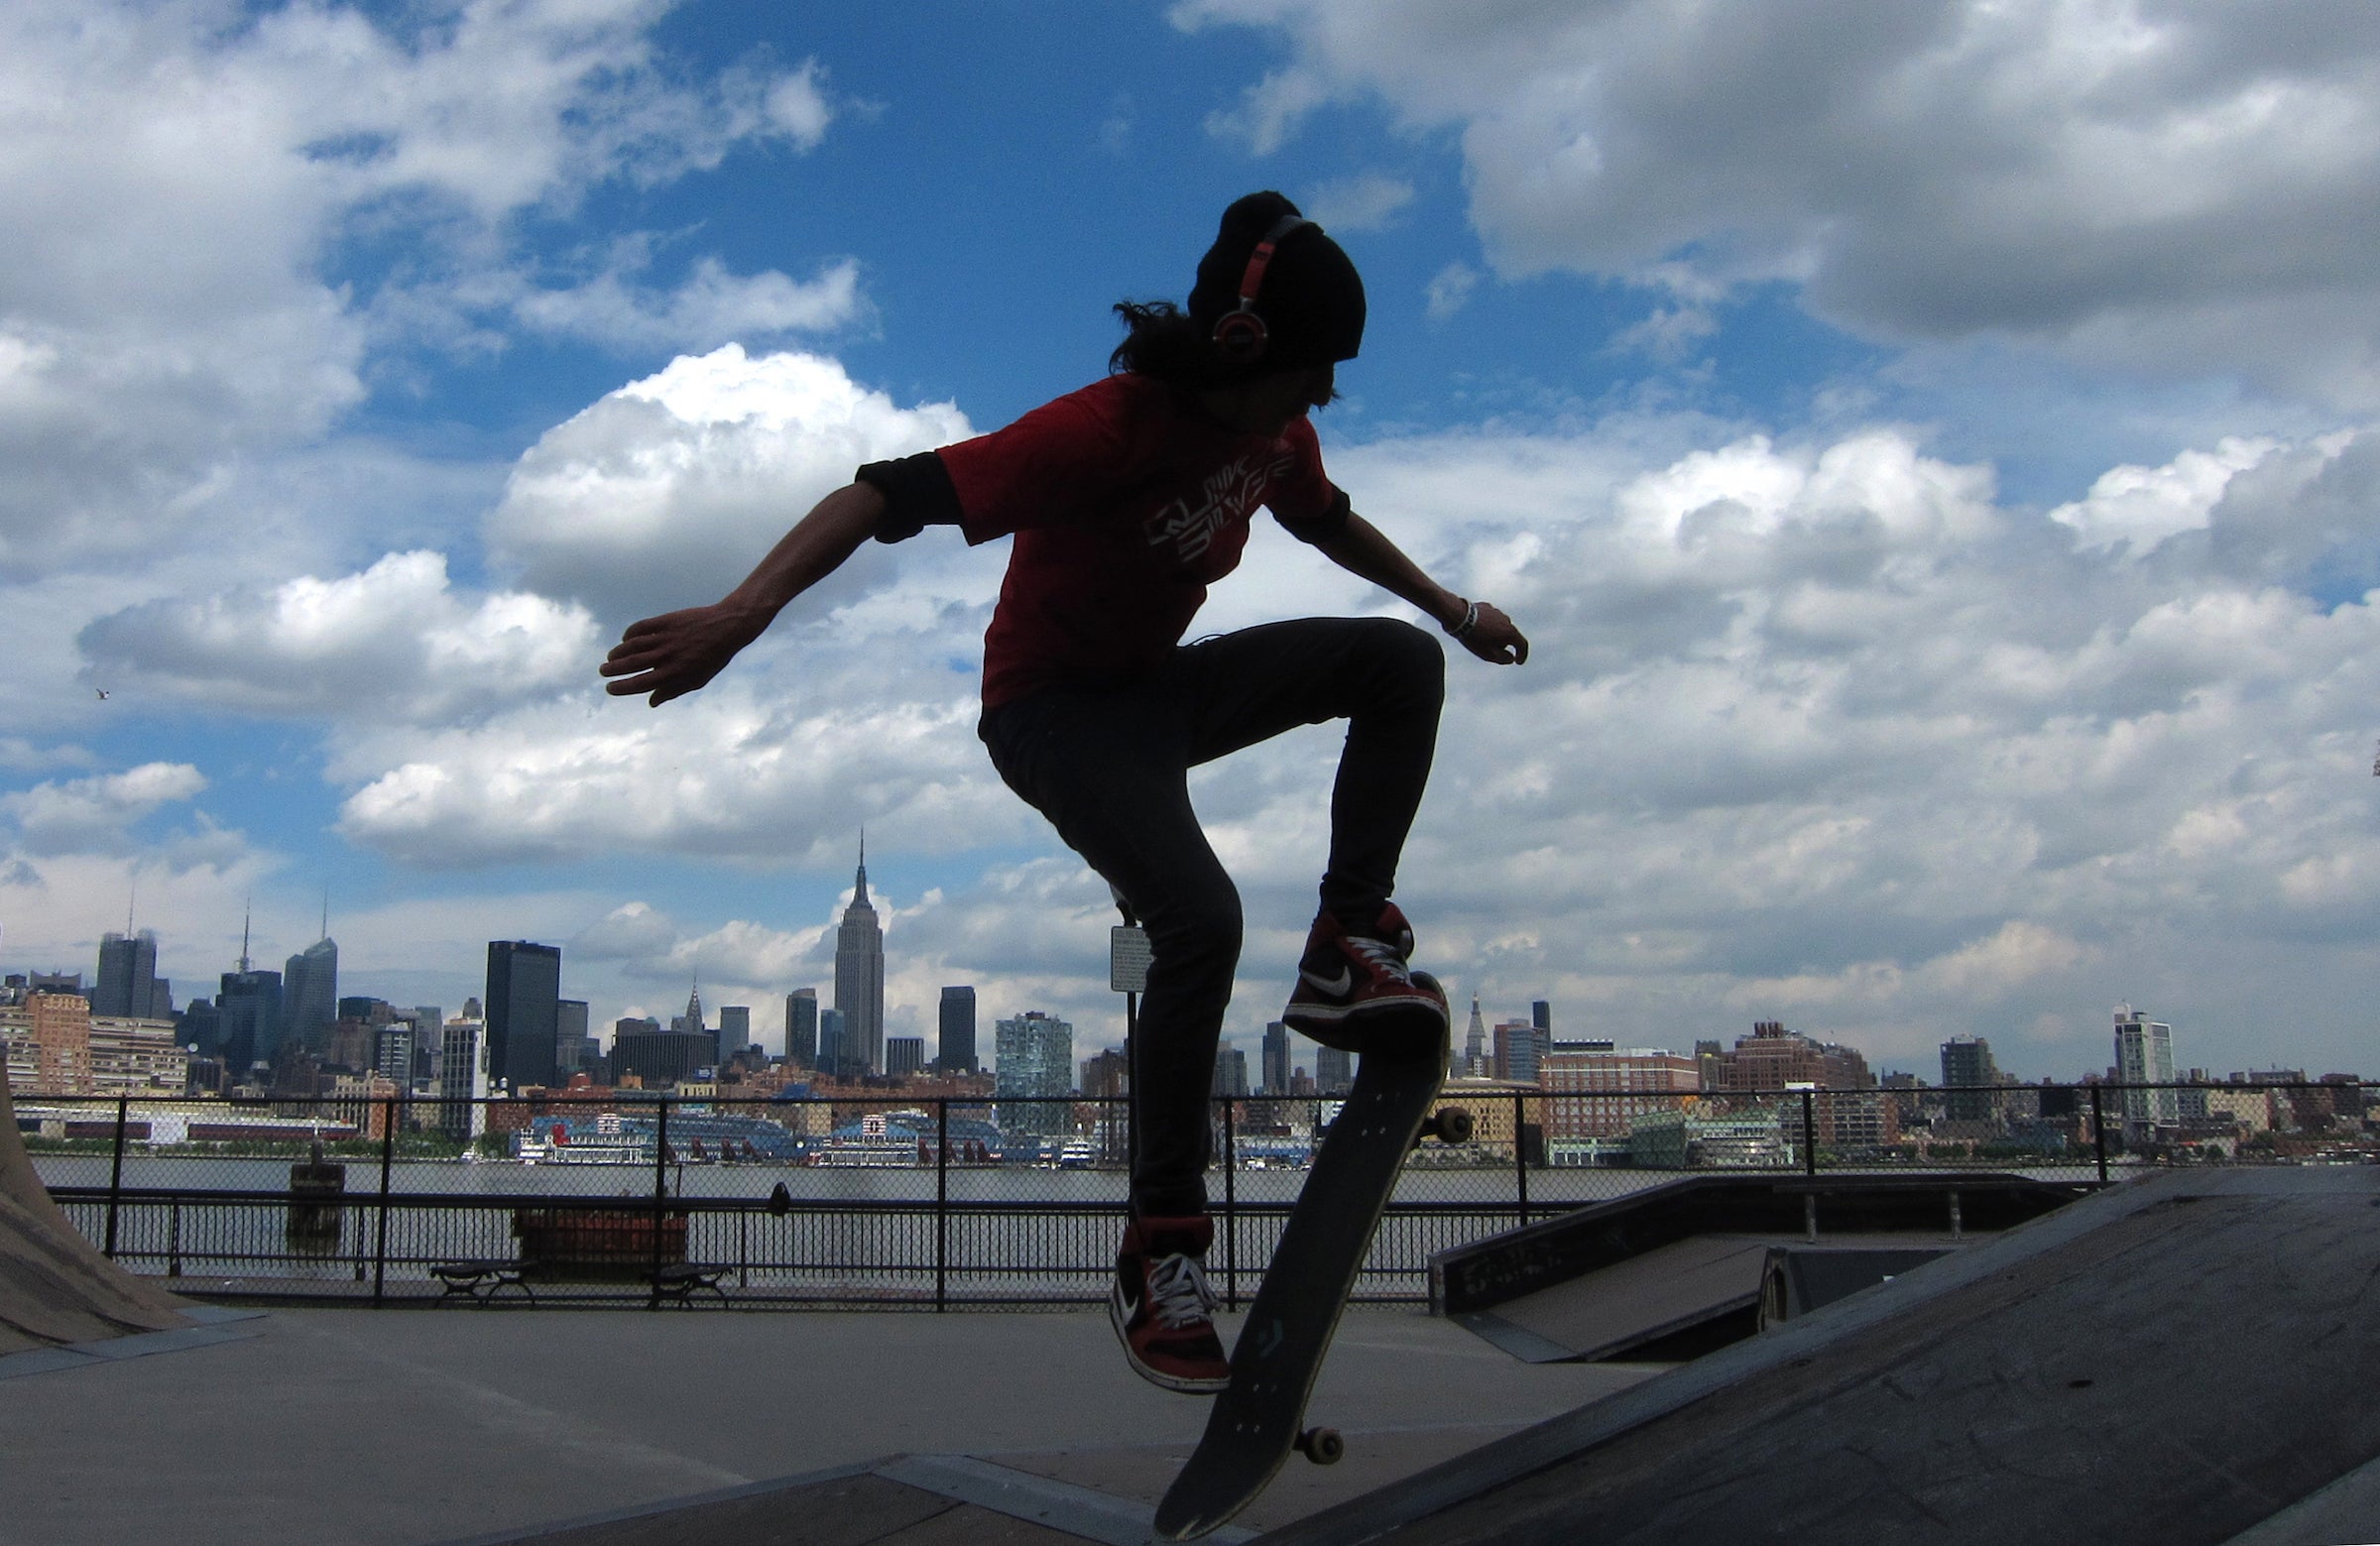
x: 1322, y: 1445
x: 1451, y: 1124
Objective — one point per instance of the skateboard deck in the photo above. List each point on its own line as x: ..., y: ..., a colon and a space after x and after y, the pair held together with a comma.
x: 1256, y: 1423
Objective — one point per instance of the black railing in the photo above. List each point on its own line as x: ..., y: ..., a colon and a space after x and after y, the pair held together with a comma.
x: 942, y: 1203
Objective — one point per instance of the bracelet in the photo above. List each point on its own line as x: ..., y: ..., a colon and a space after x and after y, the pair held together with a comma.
x: 1471, y: 620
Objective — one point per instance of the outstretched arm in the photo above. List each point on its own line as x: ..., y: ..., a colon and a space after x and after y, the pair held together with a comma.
x: 672, y: 654
x: 1361, y: 549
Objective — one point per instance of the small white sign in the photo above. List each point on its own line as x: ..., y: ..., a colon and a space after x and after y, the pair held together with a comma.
x: 1127, y: 959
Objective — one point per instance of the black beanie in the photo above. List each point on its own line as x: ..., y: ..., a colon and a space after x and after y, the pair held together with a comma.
x: 1311, y: 299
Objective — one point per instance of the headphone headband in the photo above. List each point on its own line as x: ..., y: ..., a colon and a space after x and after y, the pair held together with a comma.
x: 1241, y: 335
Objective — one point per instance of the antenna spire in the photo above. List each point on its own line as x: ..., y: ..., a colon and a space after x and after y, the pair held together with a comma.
x: 247, y: 913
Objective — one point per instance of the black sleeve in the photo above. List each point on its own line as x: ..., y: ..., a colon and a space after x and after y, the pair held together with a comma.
x: 918, y: 494
x: 1328, y: 525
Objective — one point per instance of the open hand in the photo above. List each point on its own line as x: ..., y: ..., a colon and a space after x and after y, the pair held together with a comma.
x: 1493, y: 637
x: 677, y: 653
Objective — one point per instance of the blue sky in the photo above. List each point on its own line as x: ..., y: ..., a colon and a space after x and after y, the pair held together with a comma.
x: 1931, y: 448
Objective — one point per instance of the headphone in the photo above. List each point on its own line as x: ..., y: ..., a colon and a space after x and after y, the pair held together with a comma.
x: 1239, y: 334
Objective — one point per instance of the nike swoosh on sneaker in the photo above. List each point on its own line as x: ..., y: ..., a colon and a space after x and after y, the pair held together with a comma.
x: 1334, y: 985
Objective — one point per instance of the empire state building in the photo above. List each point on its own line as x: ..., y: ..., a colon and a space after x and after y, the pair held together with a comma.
x: 860, y: 978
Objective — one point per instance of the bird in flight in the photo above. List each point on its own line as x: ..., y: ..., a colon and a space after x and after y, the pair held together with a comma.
x: 102, y: 691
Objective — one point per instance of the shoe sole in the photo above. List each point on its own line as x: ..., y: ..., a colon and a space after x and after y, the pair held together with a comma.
x: 1340, y: 1014
x: 1178, y: 1384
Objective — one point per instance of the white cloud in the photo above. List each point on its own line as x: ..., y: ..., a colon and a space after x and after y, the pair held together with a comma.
x: 1364, y: 203
x: 95, y: 814
x: 712, y: 307
x: 669, y: 490
x: 2143, y: 506
x: 1270, y: 111
x: 726, y: 776
x: 2150, y: 185
x: 183, y: 182
x: 1450, y: 289
x: 393, y: 640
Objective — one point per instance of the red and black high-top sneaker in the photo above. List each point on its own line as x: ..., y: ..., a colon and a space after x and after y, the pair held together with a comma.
x: 1160, y: 1304
x: 1347, y: 979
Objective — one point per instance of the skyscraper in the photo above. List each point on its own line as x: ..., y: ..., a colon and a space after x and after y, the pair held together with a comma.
x: 832, y: 1059
x: 127, y: 975
x: 801, y: 1028
x: 2144, y: 1054
x: 735, y: 1029
x: 309, y: 995
x: 860, y: 978
x: 1968, y: 1074
x: 1334, y: 1070
x: 957, y: 1046
x: 248, y: 1018
x: 1034, y: 1057
x: 1474, y: 1042
x: 463, y: 1077
x: 525, y: 996
x: 573, y: 1047
x: 1276, y: 1059
x: 904, y: 1054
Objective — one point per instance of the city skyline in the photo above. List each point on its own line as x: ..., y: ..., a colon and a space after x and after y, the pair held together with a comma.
x: 1937, y: 496
x: 1510, y: 1047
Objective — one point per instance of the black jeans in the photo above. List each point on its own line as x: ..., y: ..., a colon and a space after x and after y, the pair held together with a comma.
x: 1108, y: 767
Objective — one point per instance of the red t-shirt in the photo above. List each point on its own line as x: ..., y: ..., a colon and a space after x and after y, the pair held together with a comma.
x: 1127, y: 503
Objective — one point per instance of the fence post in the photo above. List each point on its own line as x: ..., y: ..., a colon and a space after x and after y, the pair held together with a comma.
x: 942, y: 1203
x: 2098, y: 1132
x: 1810, y: 1133
x: 387, y: 1158
x: 660, y: 1197
x: 1231, y: 1207
x: 115, y: 1179
x: 1520, y: 1157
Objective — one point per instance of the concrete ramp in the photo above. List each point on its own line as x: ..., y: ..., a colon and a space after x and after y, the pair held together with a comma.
x: 2182, y: 1360
x: 901, y: 1500
x: 56, y: 1290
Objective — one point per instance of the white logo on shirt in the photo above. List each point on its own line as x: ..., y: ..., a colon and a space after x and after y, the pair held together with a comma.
x: 1228, y: 494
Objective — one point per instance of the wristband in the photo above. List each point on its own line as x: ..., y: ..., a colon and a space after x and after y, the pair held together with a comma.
x: 1471, y: 620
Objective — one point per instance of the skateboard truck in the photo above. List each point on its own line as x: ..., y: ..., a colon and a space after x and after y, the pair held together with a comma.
x: 1448, y: 1124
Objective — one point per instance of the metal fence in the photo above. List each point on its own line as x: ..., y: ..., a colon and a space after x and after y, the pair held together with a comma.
x: 955, y: 1202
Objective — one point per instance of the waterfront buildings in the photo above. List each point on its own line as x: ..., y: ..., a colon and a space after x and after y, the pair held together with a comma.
x: 860, y: 978
x: 1595, y: 1089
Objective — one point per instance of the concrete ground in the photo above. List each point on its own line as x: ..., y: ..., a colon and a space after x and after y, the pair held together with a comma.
x: 413, y: 1427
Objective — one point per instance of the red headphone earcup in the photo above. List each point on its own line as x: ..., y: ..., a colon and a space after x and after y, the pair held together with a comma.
x: 1240, y: 337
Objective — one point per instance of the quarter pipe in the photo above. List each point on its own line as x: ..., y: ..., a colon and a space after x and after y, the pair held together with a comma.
x: 55, y: 1288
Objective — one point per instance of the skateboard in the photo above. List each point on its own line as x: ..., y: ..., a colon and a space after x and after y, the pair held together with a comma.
x: 1254, y: 1423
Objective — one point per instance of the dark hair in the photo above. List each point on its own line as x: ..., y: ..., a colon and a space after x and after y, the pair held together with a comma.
x: 1163, y: 341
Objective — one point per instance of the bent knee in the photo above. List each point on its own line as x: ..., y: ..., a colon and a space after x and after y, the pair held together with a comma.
x: 1412, y: 655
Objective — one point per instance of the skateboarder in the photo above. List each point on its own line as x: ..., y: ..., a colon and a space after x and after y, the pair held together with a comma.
x: 1126, y: 500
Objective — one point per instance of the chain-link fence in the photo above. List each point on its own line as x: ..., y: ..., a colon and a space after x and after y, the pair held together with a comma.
x: 954, y: 1202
